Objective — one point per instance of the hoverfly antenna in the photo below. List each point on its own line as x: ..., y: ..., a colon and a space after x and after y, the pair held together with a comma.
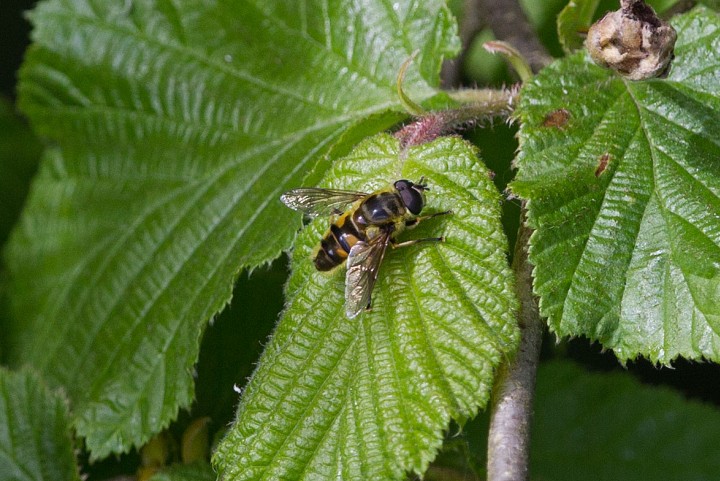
x: 421, y: 184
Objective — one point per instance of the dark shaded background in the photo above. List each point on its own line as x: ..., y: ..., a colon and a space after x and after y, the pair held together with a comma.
x: 14, y: 38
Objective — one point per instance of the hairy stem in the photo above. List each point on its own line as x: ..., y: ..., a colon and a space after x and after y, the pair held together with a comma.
x: 484, y: 103
x: 511, y: 412
x: 477, y: 106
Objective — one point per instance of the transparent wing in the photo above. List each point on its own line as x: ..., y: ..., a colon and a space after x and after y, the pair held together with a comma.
x: 315, y: 201
x: 363, y: 264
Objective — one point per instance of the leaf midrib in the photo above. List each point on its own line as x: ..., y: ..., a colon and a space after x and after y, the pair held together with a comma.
x: 643, y: 112
x: 223, y: 129
x: 573, y: 276
x: 210, y: 62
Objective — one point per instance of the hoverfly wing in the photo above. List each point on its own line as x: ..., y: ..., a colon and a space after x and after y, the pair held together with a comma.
x: 363, y: 264
x: 315, y: 201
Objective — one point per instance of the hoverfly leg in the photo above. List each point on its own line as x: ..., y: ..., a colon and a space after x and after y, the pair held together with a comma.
x: 436, y: 214
x: 417, y: 220
x: 395, y: 245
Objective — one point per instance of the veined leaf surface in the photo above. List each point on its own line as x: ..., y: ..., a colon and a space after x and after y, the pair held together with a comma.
x: 368, y: 398
x: 623, y: 182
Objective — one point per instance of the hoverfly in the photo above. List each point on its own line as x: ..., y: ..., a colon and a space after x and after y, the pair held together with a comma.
x: 361, y: 234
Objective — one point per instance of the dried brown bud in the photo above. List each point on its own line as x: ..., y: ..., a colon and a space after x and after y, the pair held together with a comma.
x: 633, y: 41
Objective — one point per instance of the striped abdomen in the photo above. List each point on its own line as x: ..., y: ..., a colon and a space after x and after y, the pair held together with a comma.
x: 337, y: 242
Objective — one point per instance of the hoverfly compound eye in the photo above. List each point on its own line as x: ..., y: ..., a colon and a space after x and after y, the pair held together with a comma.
x: 411, y: 195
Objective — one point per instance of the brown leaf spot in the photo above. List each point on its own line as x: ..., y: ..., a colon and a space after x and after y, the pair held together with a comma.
x: 557, y: 118
x: 603, y: 162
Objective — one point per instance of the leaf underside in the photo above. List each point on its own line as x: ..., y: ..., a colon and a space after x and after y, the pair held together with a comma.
x: 369, y: 398
x: 176, y: 127
x: 623, y: 183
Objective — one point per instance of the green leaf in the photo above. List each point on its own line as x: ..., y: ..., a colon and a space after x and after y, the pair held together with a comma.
x: 714, y: 4
x: 369, y: 398
x: 609, y: 427
x: 177, y: 126
x: 623, y: 183
x: 574, y: 20
x: 35, y: 439
x: 661, y: 6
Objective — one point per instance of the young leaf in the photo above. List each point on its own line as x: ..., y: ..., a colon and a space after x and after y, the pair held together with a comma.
x: 368, y: 398
x: 35, y: 439
x: 609, y: 426
x: 623, y: 185
x: 177, y: 127
x: 573, y: 23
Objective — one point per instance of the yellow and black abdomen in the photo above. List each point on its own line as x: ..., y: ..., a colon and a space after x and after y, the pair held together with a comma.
x: 337, y: 242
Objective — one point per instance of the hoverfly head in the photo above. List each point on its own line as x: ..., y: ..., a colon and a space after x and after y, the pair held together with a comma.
x: 412, y: 195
